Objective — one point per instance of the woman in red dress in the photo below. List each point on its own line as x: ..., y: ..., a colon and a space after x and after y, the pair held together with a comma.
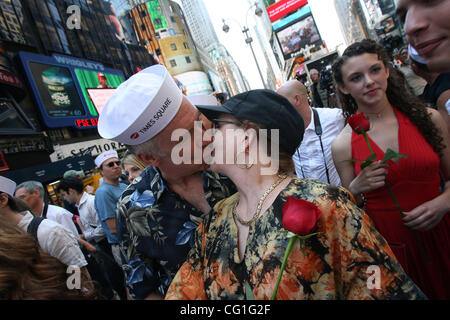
x: 398, y: 121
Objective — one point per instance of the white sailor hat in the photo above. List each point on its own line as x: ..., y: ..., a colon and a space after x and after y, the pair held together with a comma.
x: 203, y: 100
x: 7, y: 186
x: 140, y: 107
x: 105, y: 155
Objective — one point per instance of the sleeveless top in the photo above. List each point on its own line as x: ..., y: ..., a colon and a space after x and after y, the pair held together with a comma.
x: 413, y: 180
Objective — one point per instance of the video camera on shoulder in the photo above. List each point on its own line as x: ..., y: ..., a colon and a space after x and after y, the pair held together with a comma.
x: 326, y: 79
x: 301, y: 77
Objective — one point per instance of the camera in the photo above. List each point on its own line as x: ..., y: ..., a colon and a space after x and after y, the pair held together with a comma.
x: 326, y: 79
x: 390, y: 43
x: 301, y: 77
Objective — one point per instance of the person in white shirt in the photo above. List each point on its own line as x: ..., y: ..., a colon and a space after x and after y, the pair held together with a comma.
x: 71, y: 190
x: 313, y: 158
x: 32, y: 192
x: 52, y: 237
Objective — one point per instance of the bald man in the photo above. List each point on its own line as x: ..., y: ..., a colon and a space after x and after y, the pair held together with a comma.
x: 313, y: 158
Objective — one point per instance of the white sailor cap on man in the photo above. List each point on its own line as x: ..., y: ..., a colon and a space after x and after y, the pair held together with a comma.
x: 7, y: 186
x: 140, y: 107
x: 105, y: 155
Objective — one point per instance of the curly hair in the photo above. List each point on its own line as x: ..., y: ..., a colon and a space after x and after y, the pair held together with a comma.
x: 28, y: 273
x: 396, y: 92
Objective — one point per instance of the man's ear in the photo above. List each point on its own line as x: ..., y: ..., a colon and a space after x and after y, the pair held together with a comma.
x: 3, y: 200
x: 148, y: 159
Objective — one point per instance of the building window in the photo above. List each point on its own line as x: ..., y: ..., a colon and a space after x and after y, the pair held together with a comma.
x: 172, y: 18
x: 186, y: 46
x: 144, y: 13
x: 173, y: 63
x: 173, y: 46
x: 143, y: 27
x: 157, y: 21
x: 188, y: 60
x: 172, y: 32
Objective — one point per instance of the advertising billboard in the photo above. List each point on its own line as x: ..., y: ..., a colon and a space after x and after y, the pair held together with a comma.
x: 195, y: 82
x: 89, y: 79
x: 156, y: 14
x: 59, y: 85
x: 99, y: 97
x: 298, y: 35
x: 284, y: 7
x: 56, y: 88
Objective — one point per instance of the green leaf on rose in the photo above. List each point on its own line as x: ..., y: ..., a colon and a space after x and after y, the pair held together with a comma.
x: 392, y: 155
x: 288, y: 234
x: 248, y: 292
x: 370, y: 159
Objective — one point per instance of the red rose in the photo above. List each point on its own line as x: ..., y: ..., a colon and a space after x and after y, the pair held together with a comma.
x: 359, y: 122
x: 300, y: 216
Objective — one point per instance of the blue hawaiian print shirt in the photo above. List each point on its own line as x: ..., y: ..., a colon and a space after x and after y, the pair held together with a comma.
x: 156, y: 229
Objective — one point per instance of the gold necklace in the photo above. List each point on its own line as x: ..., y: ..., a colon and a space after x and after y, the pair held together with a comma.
x: 260, y: 203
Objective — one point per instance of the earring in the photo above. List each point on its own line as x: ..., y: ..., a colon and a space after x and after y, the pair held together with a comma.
x: 242, y: 166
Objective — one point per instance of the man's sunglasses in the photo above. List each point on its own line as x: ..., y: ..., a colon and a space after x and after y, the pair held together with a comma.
x: 111, y: 164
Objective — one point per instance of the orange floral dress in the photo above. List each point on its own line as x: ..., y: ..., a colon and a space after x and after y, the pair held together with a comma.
x: 349, y: 259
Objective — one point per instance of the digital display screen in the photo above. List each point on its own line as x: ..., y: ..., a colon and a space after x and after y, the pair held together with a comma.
x: 101, y: 80
x: 298, y: 35
x: 57, y: 90
x: 99, y: 97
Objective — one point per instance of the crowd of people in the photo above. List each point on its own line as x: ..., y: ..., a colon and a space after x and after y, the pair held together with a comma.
x: 353, y: 196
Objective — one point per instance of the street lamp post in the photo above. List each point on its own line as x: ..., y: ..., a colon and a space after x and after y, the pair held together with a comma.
x: 248, y: 39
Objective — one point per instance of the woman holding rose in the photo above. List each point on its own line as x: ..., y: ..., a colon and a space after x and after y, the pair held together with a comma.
x: 239, y: 250
x: 403, y: 196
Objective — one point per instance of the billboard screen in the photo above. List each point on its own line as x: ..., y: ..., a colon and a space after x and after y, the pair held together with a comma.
x: 283, y: 8
x: 59, y: 84
x: 156, y: 14
x: 298, y: 35
x: 57, y: 91
x: 94, y: 79
x: 99, y: 97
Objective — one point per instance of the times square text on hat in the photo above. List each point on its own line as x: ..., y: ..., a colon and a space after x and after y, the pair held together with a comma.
x: 140, y: 107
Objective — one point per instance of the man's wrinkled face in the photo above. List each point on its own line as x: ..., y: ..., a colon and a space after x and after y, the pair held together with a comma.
x: 185, y: 133
x: 31, y: 198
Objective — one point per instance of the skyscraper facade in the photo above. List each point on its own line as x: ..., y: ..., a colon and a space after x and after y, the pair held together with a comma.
x: 199, y: 23
x: 205, y: 37
x: 160, y: 26
x: 352, y: 20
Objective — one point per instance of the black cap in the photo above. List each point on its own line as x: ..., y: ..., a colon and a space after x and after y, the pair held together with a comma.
x: 269, y: 110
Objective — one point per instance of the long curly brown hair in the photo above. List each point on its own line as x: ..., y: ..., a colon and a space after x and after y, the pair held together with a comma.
x: 28, y: 273
x: 396, y: 92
